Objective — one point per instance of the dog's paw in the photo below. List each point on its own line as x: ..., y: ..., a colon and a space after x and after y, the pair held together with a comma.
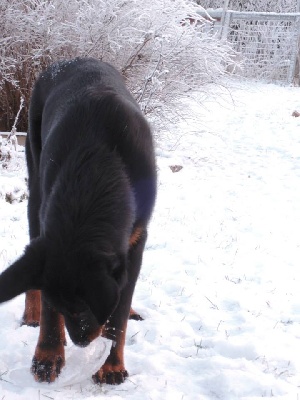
x: 111, y: 374
x: 31, y: 317
x: 135, y: 316
x: 30, y: 322
x: 47, y: 366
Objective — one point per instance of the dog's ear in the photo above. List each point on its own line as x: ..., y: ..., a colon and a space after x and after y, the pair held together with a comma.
x: 25, y: 273
x: 101, y: 293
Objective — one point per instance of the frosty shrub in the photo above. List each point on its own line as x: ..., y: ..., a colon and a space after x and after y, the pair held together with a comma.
x: 11, y: 155
x: 157, y: 45
x: 7, y: 153
x: 8, y: 145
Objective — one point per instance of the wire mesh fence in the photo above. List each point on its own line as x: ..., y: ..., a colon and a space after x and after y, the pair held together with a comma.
x: 268, y: 43
x: 278, y: 6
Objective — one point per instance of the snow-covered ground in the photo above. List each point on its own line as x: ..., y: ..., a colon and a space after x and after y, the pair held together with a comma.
x: 220, y: 283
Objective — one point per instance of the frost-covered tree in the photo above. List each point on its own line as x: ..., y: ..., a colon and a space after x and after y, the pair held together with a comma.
x: 159, y: 46
x: 253, y: 5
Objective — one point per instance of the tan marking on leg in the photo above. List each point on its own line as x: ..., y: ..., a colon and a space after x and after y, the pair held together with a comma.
x: 135, y: 236
x: 32, y: 312
x: 49, y: 356
x: 47, y: 363
x: 113, y: 371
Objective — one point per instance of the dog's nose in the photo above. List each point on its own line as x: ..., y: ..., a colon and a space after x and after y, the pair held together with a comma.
x: 83, y: 328
x: 86, y: 338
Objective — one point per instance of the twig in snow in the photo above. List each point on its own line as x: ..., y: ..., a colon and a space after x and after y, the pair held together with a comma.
x: 214, y: 306
x: 134, y: 335
x: 48, y: 397
x: 219, y: 325
x: 4, y: 380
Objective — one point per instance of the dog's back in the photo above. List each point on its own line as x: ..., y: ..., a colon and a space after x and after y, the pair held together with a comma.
x: 85, y: 102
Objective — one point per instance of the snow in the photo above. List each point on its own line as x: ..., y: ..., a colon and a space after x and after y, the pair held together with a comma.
x: 219, y: 287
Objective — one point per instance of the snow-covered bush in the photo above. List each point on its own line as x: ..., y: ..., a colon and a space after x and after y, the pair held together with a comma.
x: 5, y: 153
x: 8, y: 153
x: 152, y: 42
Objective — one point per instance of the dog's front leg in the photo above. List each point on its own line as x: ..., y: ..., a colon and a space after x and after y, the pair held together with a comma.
x: 49, y: 357
x: 113, y: 370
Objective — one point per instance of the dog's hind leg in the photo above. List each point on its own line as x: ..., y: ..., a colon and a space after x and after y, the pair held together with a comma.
x: 49, y: 357
x: 113, y: 371
x: 31, y: 316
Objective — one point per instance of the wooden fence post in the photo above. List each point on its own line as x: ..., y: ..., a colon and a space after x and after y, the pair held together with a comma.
x: 223, y: 18
x: 295, y: 53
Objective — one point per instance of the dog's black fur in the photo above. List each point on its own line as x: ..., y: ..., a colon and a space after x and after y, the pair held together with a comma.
x: 92, y: 187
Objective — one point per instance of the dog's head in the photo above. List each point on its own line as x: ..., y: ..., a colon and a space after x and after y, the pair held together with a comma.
x: 84, y: 290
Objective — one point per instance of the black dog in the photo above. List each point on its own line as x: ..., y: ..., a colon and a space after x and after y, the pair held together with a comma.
x: 92, y: 187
